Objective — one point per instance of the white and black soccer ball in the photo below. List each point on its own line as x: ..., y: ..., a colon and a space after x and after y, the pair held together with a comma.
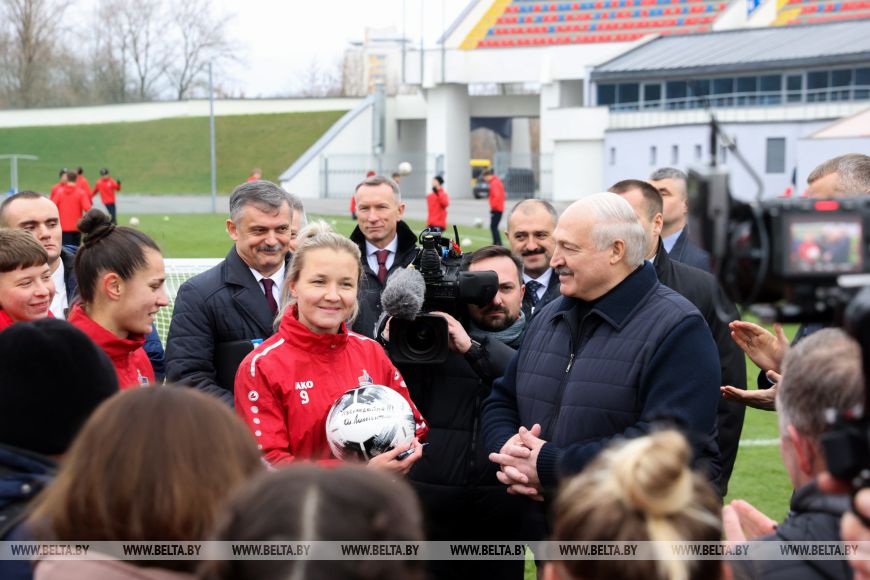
x: 367, y: 421
x: 405, y: 168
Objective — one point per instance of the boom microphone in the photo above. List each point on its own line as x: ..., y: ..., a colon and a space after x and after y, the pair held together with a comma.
x: 404, y: 294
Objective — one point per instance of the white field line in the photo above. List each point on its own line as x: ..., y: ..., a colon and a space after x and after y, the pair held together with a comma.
x: 759, y: 442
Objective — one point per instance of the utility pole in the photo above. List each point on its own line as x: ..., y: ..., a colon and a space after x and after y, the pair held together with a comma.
x: 211, y: 140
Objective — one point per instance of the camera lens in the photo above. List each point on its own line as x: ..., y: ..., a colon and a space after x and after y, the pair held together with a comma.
x: 421, y: 339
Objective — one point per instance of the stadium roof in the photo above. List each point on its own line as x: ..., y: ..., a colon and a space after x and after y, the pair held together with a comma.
x: 746, y: 49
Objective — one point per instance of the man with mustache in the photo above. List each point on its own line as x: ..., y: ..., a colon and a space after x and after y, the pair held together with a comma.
x: 530, y: 234
x: 615, y: 355
x: 222, y: 313
x: 461, y: 497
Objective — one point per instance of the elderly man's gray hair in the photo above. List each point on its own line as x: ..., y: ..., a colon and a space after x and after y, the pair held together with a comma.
x: 261, y: 193
x: 822, y: 371
x: 615, y: 219
x: 668, y: 173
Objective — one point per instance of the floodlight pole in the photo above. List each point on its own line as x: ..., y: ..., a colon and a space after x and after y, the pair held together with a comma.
x: 211, y: 140
x: 13, y: 168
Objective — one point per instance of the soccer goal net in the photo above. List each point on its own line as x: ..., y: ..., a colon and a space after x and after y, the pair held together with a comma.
x: 179, y: 270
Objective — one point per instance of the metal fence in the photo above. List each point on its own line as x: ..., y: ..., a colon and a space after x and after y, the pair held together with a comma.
x: 525, y: 175
x: 340, y: 174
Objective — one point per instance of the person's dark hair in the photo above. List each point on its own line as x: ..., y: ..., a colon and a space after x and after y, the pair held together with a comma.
x: 263, y: 195
x: 310, y: 503
x: 151, y: 464
x: 439, y: 179
x: 375, y: 180
x: 19, y: 249
x: 11, y: 199
x: 396, y: 176
x: 640, y: 490
x: 488, y: 252
x: 72, y: 176
x: 80, y: 170
x: 104, y: 171
x: 50, y: 360
x: 63, y: 172
x: 108, y: 248
x: 651, y: 195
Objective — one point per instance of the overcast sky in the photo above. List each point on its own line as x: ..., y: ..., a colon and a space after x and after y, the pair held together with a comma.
x: 283, y: 36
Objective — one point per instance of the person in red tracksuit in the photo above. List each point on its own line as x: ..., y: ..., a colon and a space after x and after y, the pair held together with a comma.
x: 437, y: 201
x: 107, y: 188
x: 496, y: 204
x: 285, y: 388
x: 82, y: 181
x: 71, y: 204
x: 121, y: 274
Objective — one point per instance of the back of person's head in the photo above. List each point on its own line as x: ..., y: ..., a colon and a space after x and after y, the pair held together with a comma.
x: 80, y: 170
x: 108, y: 248
x: 853, y: 174
x: 263, y: 195
x: 72, y: 176
x: 104, y: 171
x: 822, y: 371
x: 52, y: 377
x: 309, y: 503
x: 439, y: 179
x: 63, y: 173
x: 317, y: 235
x: 637, y: 491
x: 19, y: 249
x: 150, y: 464
x: 651, y: 196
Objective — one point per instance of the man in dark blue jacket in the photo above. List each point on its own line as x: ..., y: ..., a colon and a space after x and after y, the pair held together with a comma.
x: 617, y: 353
x: 219, y: 312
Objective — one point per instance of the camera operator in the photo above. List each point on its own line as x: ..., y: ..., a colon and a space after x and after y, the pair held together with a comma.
x: 457, y: 484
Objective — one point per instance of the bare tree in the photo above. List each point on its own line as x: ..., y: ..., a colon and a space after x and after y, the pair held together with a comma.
x: 202, y: 38
x: 316, y: 80
x: 32, y: 40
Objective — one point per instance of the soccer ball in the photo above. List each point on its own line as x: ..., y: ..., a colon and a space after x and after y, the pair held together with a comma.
x: 466, y: 242
x: 134, y: 221
x: 367, y: 421
x: 478, y: 222
x: 404, y: 168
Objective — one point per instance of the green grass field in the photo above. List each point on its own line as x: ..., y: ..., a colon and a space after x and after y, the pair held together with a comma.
x: 759, y: 476
x: 166, y: 155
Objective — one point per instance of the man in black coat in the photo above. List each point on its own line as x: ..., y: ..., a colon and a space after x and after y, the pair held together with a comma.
x: 821, y: 372
x: 671, y: 184
x: 702, y: 290
x: 220, y: 314
x: 530, y: 226
x: 461, y: 497
x: 386, y: 244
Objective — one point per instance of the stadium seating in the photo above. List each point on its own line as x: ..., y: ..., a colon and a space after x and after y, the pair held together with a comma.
x: 541, y: 22
x: 792, y: 12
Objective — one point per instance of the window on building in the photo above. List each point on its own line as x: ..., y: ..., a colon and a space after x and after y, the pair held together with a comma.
x: 571, y: 93
x: 652, y: 96
x: 794, y: 85
x: 628, y: 93
x: 613, y: 155
x: 747, y: 89
x: 606, y: 95
x: 862, y: 83
x: 843, y: 80
x: 676, y: 91
x: 724, y: 87
x: 675, y: 154
x: 699, y: 152
x: 817, y: 86
x: 775, y: 155
x: 652, y: 155
x: 771, y: 89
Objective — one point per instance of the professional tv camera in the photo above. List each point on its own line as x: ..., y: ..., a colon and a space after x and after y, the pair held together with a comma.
x: 423, y: 338
x: 792, y: 259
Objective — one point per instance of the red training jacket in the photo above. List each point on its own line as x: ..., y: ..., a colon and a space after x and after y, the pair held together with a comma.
x: 496, y: 194
x: 106, y: 186
x: 71, y: 204
x: 128, y: 357
x: 286, y: 386
x: 82, y: 182
x: 437, y: 203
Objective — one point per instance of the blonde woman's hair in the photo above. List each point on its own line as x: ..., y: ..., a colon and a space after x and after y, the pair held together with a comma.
x: 316, y: 236
x: 640, y: 490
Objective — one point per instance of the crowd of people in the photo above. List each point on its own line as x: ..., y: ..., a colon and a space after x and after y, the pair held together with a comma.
x: 598, y: 396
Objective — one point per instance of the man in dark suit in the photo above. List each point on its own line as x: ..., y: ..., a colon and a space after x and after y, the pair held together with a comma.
x: 701, y: 289
x: 222, y: 312
x: 671, y: 184
x: 530, y: 226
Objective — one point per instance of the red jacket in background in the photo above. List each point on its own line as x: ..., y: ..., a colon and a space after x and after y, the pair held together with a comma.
x: 285, y: 388
x: 128, y: 357
x: 82, y: 182
x: 5, y: 320
x: 106, y: 186
x: 437, y: 203
x: 71, y: 204
x: 496, y: 194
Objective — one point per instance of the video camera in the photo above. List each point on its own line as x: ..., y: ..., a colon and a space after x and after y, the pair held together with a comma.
x: 791, y: 259
x: 424, y: 338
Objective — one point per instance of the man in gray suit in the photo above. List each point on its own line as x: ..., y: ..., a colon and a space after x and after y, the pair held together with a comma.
x: 671, y: 184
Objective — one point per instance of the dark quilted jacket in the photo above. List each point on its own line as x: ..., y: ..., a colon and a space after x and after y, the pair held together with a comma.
x: 642, y: 353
